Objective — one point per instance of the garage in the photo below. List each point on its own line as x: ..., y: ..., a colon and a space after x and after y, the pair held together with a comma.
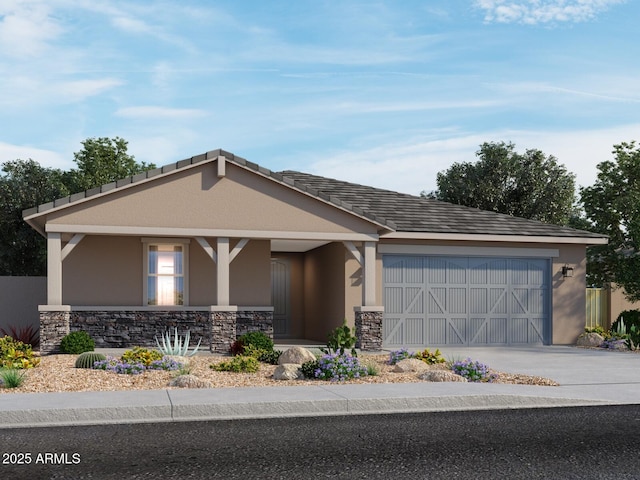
x: 437, y: 300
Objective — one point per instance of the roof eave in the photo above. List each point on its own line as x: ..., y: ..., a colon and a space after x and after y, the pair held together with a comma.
x: 485, y: 237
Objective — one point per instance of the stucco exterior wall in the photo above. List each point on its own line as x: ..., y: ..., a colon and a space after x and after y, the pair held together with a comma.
x: 104, y: 271
x: 197, y: 198
x: 109, y: 271
x: 324, y: 274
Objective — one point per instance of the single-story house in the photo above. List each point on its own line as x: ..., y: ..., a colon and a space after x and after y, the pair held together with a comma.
x: 220, y: 246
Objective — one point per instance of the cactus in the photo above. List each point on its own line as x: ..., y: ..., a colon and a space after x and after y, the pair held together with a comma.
x: 87, y: 359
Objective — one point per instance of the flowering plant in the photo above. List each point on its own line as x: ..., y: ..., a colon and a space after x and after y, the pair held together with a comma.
x: 339, y: 367
x: 397, y: 355
x: 116, y: 365
x: 473, y: 371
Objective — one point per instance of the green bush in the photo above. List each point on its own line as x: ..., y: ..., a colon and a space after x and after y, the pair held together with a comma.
x: 77, y: 342
x: 341, y: 339
x: 87, y: 359
x: 238, y: 364
x: 599, y: 330
x: 11, y: 378
x: 430, y: 358
x: 309, y: 369
x: 265, y: 356
x: 15, y: 354
x: 141, y: 355
x: 631, y: 318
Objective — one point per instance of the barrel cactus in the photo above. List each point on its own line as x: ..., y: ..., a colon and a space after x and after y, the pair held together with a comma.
x: 87, y: 359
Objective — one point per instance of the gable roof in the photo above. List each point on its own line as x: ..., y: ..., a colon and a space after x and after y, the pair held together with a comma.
x: 393, y: 211
x: 410, y: 213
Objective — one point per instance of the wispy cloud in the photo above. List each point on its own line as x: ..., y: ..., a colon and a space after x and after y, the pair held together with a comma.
x: 543, y: 11
x: 159, y: 112
x: 47, y: 158
x: 26, y: 28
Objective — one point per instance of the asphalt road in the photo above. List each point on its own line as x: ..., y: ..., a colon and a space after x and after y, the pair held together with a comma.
x: 559, y: 443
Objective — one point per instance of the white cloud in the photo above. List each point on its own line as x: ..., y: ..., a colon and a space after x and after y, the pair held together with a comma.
x: 46, y: 158
x: 543, y: 11
x: 81, y: 89
x: 412, y: 166
x: 26, y: 28
x: 159, y: 112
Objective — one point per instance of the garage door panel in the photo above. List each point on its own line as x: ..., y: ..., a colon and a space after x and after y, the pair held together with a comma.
x: 466, y: 300
x: 457, y: 331
x: 436, y: 329
x: 392, y: 331
x: 393, y: 300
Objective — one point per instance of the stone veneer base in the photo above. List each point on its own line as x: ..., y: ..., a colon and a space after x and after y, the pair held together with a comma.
x: 129, y: 328
x: 369, y: 329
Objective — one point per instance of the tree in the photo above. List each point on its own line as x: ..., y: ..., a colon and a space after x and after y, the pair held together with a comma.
x: 612, y: 205
x: 101, y: 161
x: 530, y: 185
x: 25, y: 184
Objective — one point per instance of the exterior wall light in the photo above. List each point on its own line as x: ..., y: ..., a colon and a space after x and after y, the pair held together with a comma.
x: 567, y: 271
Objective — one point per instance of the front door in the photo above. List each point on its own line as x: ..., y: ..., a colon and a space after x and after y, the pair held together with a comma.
x: 280, y: 299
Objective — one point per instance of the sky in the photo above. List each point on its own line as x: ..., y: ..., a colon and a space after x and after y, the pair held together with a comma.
x: 384, y: 93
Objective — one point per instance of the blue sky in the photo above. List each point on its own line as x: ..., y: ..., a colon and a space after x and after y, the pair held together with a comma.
x: 385, y: 93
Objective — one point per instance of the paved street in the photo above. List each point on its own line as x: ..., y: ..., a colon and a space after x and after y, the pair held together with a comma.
x: 560, y: 443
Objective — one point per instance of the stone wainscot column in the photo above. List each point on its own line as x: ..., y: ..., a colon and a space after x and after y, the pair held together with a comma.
x: 223, y: 327
x: 368, y: 322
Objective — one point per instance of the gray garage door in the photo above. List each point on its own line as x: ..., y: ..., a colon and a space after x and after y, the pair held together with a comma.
x: 438, y: 300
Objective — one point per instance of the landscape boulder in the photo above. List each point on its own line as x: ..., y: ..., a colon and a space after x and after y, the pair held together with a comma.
x: 590, y: 340
x: 189, y: 381
x: 297, y: 355
x: 441, y: 376
x: 288, y: 371
x: 410, y: 365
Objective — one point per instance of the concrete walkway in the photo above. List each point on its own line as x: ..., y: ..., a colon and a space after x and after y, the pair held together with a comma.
x: 587, y: 377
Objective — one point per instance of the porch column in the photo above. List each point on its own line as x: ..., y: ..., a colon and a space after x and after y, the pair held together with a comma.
x: 222, y: 271
x: 54, y: 269
x: 369, y: 275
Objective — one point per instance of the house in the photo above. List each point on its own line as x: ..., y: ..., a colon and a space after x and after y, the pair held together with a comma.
x: 221, y: 246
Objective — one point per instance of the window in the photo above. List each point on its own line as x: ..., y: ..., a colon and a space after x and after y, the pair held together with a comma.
x: 165, y: 274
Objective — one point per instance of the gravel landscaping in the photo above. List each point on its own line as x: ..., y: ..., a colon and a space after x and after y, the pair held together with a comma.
x: 56, y: 373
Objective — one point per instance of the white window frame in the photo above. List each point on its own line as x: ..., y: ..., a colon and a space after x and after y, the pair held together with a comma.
x: 182, y: 242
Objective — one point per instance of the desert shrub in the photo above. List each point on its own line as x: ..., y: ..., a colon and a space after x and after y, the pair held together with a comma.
x: 599, y: 330
x: 430, y: 358
x: 309, y: 369
x: 141, y: 355
x: 27, y: 335
x: 87, y: 359
x: 373, y: 370
x: 254, y: 340
x: 77, y: 342
x: 15, y: 354
x: 473, y: 371
x: 11, y: 377
x: 397, y: 355
x: 239, y: 363
x: 265, y: 356
x: 630, y: 317
x: 341, y: 339
x: 337, y: 367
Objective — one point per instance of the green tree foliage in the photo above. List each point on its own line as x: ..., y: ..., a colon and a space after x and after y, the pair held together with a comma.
x: 101, y: 161
x: 612, y: 205
x: 529, y: 185
x: 25, y: 184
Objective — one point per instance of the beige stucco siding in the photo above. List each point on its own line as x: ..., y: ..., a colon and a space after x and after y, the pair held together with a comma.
x: 104, y: 271
x: 324, y: 273
x: 197, y: 198
x: 109, y: 271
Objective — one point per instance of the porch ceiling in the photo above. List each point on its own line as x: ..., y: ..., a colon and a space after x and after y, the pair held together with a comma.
x: 296, y: 245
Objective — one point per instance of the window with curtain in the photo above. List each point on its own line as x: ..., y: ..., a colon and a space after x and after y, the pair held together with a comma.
x: 165, y: 276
